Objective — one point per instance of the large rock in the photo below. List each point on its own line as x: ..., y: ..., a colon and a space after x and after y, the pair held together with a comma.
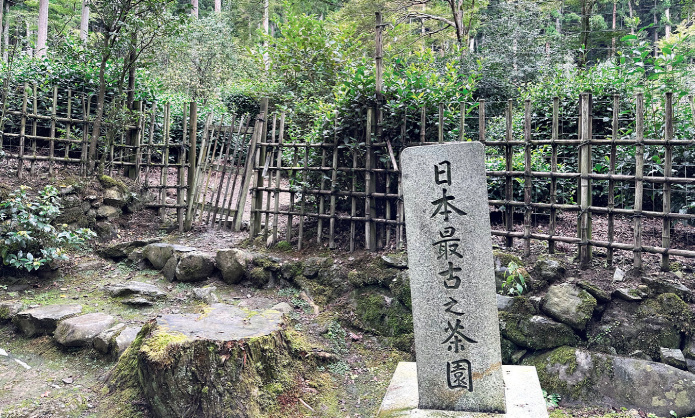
x: 104, y: 340
x: 81, y: 330
x: 646, y: 326
x: 232, y: 262
x: 195, y: 266
x: 108, y: 212
x: 9, y: 308
x: 123, y: 249
x: 123, y: 340
x: 159, y: 253
x: 135, y: 288
x: 44, y: 319
x: 569, y: 304
x: 536, y: 332
x: 661, y: 284
x: 584, y: 377
x: 115, y: 197
x: 548, y: 270
x: 225, y: 363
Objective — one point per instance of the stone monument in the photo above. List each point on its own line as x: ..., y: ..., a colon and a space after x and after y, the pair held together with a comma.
x: 457, y: 340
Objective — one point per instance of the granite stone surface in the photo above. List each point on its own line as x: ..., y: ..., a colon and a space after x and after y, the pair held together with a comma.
x: 457, y: 340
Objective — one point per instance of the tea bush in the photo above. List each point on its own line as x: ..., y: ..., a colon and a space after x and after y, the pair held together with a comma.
x: 28, y: 237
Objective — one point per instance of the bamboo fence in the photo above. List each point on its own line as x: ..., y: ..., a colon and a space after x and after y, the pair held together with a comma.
x: 144, y: 148
x: 355, y: 200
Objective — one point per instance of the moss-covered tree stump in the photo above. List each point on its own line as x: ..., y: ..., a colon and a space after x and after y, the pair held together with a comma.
x: 226, y: 362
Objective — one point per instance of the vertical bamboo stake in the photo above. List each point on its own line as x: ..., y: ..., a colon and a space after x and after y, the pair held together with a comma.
x: 668, y: 161
x: 150, y: 140
x: 181, y: 165
x: 139, y: 135
x: 86, y: 111
x: 508, y: 185
x: 267, y: 175
x: 481, y: 120
x: 611, y: 182
x: 585, y: 170
x: 399, y: 207
x: 334, y: 185
x: 240, y: 145
x: 22, y: 133
x: 248, y: 173
x: 553, y: 171
x: 52, y: 139
x: 440, y: 128
x: 229, y: 131
x: 68, y: 127
x: 193, y: 135
x: 639, y: 186
x: 369, y: 188
x: 527, y: 178
x: 302, y: 211
x: 276, y: 208
x: 388, y: 204
x: 204, y: 168
x: 163, y: 177
x: 462, y: 122
x: 322, y: 198
x: 257, y: 203
x: 34, y: 126
x: 423, y: 121
x: 353, y: 201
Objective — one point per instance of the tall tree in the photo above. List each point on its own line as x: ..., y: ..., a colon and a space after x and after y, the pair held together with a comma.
x: 194, y: 8
x: 42, y: 34
x: 84, y: 21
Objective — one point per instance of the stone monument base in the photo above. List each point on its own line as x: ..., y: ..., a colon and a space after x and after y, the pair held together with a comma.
x: 522, y: 393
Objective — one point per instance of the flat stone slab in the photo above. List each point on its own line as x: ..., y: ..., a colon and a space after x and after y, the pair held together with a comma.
x: 81, y: 330
x: 135, y: 288
x: 523, y: 395
x: 124, y: 340
x: 44, y: 319
x: 223, y: 323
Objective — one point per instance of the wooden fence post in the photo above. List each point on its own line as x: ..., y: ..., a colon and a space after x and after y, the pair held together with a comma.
x: 246, y: 179
x: 508, y: 184
x: 611, y: 182
x: 52, y: 139
x: 668, y: 157
x: 553, y: 170
x: 181, y: 165
x: 639, y: 173
x: 193, y: 135
x: 369, y: 188
x: 481, y: 120
x: 22, y: 133
x: 585, y: 181
x: 257, y: 202
x: 527, y: 178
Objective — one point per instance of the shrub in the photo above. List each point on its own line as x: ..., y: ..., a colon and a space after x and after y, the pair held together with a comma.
x: 29, y: 240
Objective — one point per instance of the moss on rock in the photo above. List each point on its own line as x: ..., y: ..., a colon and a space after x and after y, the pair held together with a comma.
x: 108, y: 182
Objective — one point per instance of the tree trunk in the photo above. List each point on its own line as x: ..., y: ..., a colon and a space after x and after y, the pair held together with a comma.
x: 194, y: 10
x: 96, y: 128
x: 84, y: 21
x: 266, y: 26
x: 30, y: 35
x: 6, y: 34
x: 668, y: 23
x: 615, y: 7
x: 131, y: 70
x: 656, y: 32
x: 2, y: 23
x: 218, y: 6
x: 42, y: 34
x: 225, y: 364
x: 632, y: 26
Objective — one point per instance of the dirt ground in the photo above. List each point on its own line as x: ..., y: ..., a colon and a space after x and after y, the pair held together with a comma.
x: 38, y: 378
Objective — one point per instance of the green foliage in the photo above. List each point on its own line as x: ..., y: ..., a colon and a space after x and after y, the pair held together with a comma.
x: 514, y: 281
x: 30, y: 241
x: 551, y: 399
x: 337, y: 335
